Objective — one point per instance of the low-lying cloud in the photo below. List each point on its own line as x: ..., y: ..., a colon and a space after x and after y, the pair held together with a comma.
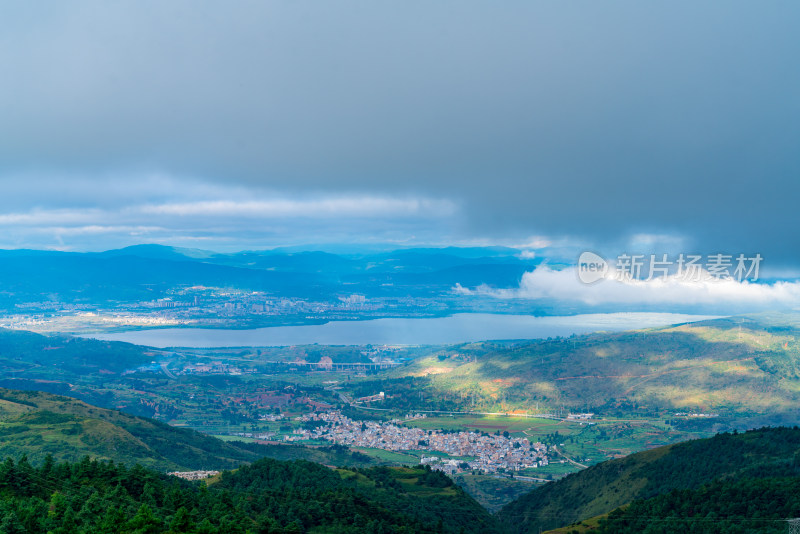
x: 564, y: 286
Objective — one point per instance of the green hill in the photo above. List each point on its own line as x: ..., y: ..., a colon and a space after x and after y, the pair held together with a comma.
x: 763, y: 453
x: 747, y: 369
x: 268, y: 496
x: 22, y: 352
x: 38, y: 424
x: 733, y: 506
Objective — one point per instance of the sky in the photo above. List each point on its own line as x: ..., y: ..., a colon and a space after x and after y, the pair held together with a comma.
x: 613, y: 126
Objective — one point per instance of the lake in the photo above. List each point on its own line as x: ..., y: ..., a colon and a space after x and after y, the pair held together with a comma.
x: 459, y: 328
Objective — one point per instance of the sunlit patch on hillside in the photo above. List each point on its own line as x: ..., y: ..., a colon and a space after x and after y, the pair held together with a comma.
x: 434, y: 371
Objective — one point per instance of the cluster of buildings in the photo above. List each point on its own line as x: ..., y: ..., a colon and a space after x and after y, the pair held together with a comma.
x: 217, y: 307
x: 579, y: 416
x: 193, y: 475
x: 212, y: 368
x: 216, y: 367
x: 260, y: 436
x: 189, y: 303
x: 372, y: 398
x: 236, y: 303
x: 478, y: 451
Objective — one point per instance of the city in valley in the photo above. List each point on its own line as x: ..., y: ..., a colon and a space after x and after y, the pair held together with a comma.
x: 467, y: 450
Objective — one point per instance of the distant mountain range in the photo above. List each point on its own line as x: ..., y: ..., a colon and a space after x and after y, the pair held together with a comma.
x: 148, y: 271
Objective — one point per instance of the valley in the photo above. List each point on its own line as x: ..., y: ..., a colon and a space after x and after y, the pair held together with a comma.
x: 570, y: 402
x: 399, y: 267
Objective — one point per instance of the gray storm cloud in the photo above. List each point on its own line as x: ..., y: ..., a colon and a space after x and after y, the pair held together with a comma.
x: 596, y: 121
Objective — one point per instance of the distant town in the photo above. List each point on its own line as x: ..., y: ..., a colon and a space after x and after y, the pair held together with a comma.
x: 466, y: 450
x: 214, y: 307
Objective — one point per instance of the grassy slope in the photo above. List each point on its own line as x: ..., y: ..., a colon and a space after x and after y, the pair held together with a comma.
x: 741, y: 366
x: 587, y: 525
x: 37, y: 424
x: 608, y: 485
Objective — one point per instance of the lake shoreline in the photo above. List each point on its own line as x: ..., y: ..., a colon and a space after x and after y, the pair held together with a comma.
x: 448, y: 330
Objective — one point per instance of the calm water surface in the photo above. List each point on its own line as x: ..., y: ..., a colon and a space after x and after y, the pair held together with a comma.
x: 459, y: 328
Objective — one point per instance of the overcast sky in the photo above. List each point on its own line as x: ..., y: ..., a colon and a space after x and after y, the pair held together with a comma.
x: 224, y: 125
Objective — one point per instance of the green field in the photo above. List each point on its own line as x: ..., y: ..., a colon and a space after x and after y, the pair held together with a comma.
x: 393, y: 457
x: 585, y: 443
x: 490, y: 424
x: 555, y: 469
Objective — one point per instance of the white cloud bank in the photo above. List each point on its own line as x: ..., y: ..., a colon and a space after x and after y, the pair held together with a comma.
x: 564, y: 285
x: 377, y: 207
x: 355, y: 206
x: 182, y: 211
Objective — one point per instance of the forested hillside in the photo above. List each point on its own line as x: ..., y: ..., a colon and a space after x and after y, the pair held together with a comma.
x: 732, y: 506
x: 269, y: 496
x: 763, y: 453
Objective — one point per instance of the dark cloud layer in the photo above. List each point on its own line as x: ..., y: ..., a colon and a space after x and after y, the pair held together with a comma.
x: 593, y: 120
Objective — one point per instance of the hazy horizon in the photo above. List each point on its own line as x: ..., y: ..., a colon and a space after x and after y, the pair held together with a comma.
x: 253, y: 125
